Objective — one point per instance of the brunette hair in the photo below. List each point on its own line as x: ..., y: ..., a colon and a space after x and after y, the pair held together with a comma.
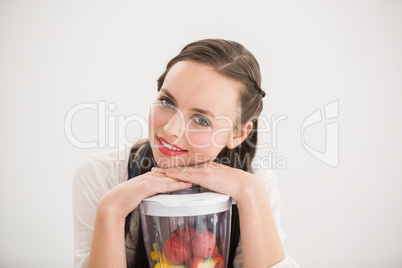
x: 234, y: 61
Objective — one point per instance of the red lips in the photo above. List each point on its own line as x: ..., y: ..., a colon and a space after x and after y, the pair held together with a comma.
x: 172, y: 151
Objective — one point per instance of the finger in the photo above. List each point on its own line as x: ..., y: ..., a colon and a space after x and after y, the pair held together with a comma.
x: 161, y: 178
x: 191, y: 177
x: 169, y: 185
x: 140, y: 177
x: 175, y: 169
x: 177, y: 185
x: 192, y: 168
x: 163, y: 170
x: 158, y: 170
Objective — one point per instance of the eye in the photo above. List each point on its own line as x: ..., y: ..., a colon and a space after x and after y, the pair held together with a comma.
x: 167, y: 103
x: 202, y: 121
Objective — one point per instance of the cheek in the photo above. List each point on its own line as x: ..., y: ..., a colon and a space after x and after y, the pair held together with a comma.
x: 208, y: 140
x: 157, y: 118
x: 221, y: 139
x: 199, y: 140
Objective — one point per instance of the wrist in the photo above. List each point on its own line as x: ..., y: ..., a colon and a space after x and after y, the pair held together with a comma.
x: 250, y: 188
x: 109, y: 209
x: 119, y: 201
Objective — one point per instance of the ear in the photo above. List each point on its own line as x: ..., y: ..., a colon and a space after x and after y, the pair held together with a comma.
x: 240, y: 135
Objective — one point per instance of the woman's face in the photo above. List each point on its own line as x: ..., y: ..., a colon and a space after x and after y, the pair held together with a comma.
x: 194, y: 115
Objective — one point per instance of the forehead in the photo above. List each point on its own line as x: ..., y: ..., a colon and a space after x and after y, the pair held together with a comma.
x: 196, y: 85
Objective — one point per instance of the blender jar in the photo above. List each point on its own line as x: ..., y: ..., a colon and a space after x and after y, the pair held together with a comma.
x: 187, y: 229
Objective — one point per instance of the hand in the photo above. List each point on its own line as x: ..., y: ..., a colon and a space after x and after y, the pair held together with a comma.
x: 215, y: 177
x: 257, y: 224
x: 125, y: 197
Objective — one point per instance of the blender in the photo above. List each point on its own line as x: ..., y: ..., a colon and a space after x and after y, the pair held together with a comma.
x: 187, y: 229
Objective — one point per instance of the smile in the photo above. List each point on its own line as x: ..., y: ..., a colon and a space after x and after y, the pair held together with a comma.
x: 170, y: 147
x: 167, y: 148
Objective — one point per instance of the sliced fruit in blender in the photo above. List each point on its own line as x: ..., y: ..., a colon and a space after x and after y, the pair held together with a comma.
x: 162, y: 265
x: 203, y: 245
x: 213, y: 262
x: 176, y: 251
x: 185, y: 234
x: 218, y: 260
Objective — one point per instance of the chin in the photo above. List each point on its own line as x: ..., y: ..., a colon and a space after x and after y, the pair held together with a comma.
x: 171, y: 162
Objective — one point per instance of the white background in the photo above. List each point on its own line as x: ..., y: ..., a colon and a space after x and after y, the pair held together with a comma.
x: 57, y: 54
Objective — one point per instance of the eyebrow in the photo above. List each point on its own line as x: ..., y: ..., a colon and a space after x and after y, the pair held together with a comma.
x: 165, y: 91
x: 197, y: 110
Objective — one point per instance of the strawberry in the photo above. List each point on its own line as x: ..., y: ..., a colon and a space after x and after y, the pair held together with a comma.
x: 176, y: 250
x: 216, y: 261
x: 196, y: 262
x: 203, y: 245
x: 185, y: 234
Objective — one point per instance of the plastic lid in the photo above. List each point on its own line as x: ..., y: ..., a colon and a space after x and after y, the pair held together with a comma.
x: 167, y: 205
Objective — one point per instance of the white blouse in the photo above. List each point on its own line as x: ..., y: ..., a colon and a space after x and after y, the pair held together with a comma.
x: 100, y: 172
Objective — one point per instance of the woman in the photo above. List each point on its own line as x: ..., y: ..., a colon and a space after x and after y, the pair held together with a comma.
x: 203, y: 130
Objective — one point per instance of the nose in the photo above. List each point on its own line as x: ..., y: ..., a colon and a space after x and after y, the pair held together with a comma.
x: 175, y: 126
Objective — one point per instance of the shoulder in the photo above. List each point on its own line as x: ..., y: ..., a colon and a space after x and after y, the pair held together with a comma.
x: 267, y: 176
